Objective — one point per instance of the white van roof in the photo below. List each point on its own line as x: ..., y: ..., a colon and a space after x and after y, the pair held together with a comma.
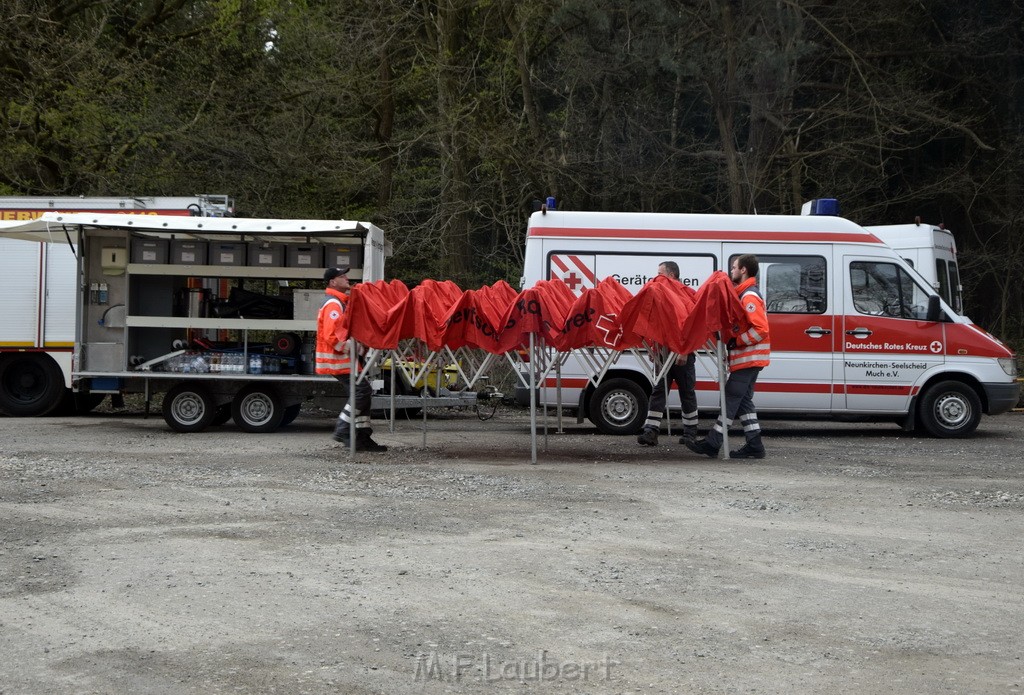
x: 648, y: 225
x: 909, y: 236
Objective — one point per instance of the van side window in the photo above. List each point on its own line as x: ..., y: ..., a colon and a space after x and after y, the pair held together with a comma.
x: 885, y: 289
x: 943, y: 275
x: 954, y: 288
x: 792, y: 284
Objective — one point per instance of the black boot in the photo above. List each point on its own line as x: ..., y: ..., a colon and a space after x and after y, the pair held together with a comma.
x: 753, y: 449
x: 648, y: 437
x: 689, y: 433
x: 341, y: 432
x: 364, y: 442
x: 701, y: 446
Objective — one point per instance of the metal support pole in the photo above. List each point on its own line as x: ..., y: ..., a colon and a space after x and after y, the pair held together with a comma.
x: 353, y: 374
x: 720, y: 349
x: 423, y: 395
x: 533, y: 402
x: 558, y: 386
x: 544, y: 412
x: 393, y: 384
x: 668, y: 391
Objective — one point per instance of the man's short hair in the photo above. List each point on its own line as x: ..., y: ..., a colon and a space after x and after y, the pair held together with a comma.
x: 671, y: 269
x: 748, y: 261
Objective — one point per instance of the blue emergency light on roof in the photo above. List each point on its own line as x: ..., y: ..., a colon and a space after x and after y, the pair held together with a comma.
x: 821, y: 206
x: 551, y: 202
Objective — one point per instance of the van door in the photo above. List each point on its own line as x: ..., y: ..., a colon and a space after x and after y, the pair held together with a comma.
x: 887, y: 344
x: 801, y: 324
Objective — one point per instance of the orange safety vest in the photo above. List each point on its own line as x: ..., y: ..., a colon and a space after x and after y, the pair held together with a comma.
x: 752, y: 346
x: 332, y: 354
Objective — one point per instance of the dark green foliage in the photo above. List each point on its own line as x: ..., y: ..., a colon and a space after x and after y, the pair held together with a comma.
x: 441, y: 120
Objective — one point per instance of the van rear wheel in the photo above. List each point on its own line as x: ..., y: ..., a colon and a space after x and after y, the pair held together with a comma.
x: 950, y: 409
x: 618, y: 406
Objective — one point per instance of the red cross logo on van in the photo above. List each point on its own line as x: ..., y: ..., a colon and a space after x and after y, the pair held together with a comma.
x: 575, y: 270
x: 935, y: 346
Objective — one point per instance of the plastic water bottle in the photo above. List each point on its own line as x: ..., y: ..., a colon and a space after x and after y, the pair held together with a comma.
x: 255, y: 364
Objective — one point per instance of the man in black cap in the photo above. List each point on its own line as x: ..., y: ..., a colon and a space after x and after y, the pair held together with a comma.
x: 332, y: 357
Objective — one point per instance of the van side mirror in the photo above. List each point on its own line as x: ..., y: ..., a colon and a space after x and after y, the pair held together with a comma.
x: 934, y: 309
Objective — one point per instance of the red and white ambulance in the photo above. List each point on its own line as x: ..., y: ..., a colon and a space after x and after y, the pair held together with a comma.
x: 855, y: 331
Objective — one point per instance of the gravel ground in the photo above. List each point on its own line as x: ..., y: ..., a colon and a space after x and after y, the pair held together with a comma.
x: 856, y: 558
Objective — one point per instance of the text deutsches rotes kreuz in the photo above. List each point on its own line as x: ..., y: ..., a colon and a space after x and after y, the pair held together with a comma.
x: 893, y: 347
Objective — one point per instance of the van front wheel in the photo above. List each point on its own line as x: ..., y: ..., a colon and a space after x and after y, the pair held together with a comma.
x: 950, y: 409
x: 618, y: 406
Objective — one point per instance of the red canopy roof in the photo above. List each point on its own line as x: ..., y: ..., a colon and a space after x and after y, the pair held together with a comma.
x: 497, y: 319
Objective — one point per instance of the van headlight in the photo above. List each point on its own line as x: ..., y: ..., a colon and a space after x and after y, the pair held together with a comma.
x: 1009, y: 365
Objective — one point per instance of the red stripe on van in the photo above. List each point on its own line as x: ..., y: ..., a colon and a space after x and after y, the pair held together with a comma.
x: 704, y: 235
x: 877, y: 390
x: 551, y: 382
x: 779, y: 387
x: 775, y: 387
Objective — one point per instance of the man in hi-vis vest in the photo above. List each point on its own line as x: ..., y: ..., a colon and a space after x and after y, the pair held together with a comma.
x: 749, y: 353
x: 332, y: 357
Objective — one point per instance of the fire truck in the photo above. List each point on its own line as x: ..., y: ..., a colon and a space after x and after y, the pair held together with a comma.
x: 38, y: 284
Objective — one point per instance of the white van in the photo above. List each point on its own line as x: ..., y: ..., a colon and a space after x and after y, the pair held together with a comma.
x: 855, y: 332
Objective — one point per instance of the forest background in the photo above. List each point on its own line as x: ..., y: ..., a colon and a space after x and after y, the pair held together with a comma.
x: 442, y: 121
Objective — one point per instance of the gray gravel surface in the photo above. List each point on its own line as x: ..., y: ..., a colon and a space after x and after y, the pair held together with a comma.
x: 856, y: 558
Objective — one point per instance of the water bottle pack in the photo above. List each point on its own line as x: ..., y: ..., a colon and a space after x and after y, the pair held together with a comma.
x: 195, y: 362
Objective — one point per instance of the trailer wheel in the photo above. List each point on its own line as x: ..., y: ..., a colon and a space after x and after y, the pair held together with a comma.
x: 188, y: 408
x: 618, y: 406
x: 257, y: 408
x: 222, y: 415
x: 30, y: 385
x: 290, y: 413
x: 950, y: 409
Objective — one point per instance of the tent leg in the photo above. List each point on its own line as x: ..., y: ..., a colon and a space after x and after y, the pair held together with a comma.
x: 558, y: 391
x: 720, y: 348
x: 423, y: 395
x: 533, y: 402
x: 668, y: 392
x: 353, y: 353
x: 544, y: 411
x: 394, y: 382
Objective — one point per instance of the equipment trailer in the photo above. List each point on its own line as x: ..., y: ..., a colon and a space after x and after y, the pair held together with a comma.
x: 171, y: 304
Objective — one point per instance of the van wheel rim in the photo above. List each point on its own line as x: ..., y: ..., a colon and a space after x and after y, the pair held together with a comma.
x: 618, y: 407
x: 952, y: 411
